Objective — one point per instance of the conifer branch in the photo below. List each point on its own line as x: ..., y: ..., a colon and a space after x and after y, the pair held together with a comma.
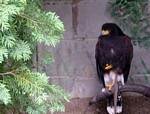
x: 8, y: 73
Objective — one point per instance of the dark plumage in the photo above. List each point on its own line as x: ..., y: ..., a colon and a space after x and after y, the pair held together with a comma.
x: 115, y: 49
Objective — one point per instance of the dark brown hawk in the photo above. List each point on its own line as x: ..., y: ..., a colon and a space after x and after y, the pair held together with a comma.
x: 113, y: 53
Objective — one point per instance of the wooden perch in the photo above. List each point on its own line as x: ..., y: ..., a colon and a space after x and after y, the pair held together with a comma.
x: 137, y: 88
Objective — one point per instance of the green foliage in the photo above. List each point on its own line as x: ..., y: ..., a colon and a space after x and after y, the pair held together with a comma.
x: 3, y: 54
x: 4, y: 95
x: 133, y: 16
x: 48, y: 58
x: 23, y: 24
x: 8, y: 8
x: 32, y: 91
x: 45, y: 26
x: 8, y: 41
x: 21, y: 51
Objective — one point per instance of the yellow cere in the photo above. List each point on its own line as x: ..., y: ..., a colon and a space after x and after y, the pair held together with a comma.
x: 105, y: 32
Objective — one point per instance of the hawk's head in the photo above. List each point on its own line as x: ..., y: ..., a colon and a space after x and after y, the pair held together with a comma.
x: 111, y: 29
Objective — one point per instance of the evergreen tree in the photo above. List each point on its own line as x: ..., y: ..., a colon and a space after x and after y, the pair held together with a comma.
x: 23, y: 24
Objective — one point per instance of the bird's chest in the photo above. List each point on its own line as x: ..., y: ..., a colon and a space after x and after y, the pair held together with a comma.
x: 111, y: 49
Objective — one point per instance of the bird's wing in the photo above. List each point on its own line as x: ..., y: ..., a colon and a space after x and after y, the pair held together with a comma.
x: 128, y: 56
x: 98, y: 62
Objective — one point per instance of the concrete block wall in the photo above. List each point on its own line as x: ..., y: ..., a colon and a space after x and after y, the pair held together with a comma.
x: 74, y: 67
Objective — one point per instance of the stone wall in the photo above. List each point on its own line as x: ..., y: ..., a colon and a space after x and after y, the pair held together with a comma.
x: 74, y: 67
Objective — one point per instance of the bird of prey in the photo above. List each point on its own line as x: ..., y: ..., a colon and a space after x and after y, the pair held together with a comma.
x: 113, y: 54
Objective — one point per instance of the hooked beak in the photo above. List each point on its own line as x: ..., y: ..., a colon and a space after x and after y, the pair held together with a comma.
x: 105, y: 32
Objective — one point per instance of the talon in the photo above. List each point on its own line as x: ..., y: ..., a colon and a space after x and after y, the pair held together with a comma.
x: 109, y: 86
x: 108, y: 66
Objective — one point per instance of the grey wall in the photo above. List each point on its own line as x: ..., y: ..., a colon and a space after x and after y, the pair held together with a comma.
x: 74, y: 67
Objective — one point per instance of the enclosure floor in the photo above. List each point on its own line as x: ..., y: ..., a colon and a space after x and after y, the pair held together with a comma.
x: 132, y: 104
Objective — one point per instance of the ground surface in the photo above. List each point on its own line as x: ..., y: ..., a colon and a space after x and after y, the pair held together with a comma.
x: 133, y: 104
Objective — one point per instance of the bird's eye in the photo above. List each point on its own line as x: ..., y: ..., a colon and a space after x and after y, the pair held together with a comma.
x: 105, y: 32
